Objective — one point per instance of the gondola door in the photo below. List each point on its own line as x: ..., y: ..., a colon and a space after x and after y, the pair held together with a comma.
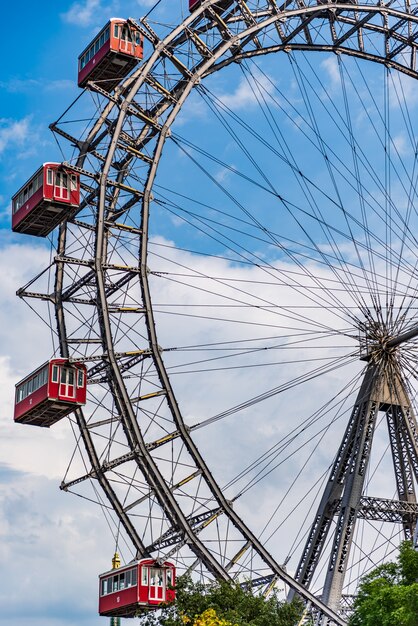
x: 125, y: 44
x: 61, y: 191
x: 157, y: 584
x: 67, y: 384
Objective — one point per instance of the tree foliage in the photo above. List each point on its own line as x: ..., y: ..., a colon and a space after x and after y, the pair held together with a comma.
x: 210, y: 618
x: 388, y: 596
x: 223, y: 604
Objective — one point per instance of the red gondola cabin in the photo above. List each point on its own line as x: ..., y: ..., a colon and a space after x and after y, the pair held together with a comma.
x: 45, y: 200
x: 111, y: 55
x: 50, y: 393
x: 144, y: 584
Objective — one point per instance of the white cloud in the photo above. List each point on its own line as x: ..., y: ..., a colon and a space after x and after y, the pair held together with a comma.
x: 403, y: 91
x: 249, y: 92
x: 23, y: 85
x: 401, y: 144
x: 25, y: 341
x: 223, y: 174
x: 330, y: 65
x: 5, y: 208
x: 82, y: 13
x: 56, y: 528
x: 54, y: 85
x: 194, y: 108
x: 14, y: 133
x: 20, y: 85
x: 47, y: 543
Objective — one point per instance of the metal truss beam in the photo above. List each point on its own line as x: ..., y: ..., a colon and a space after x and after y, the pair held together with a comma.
x: 383, y: 510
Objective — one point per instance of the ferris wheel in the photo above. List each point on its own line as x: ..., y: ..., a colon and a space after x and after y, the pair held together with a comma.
x: 235, y: 279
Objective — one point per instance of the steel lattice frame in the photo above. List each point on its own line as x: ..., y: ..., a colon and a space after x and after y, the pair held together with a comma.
x: 93, y: 275
x: 382, y: 390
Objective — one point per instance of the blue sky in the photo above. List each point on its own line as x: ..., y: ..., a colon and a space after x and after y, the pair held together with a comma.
x: 53, y: 545
x: 39, y: 80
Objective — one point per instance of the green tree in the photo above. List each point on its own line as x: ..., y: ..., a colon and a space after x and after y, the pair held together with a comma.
x: 210, y: 618
x: 388, y: 596
x: 223, y: 604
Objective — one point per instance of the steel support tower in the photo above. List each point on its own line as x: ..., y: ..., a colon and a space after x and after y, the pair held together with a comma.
x: 383, y: 389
